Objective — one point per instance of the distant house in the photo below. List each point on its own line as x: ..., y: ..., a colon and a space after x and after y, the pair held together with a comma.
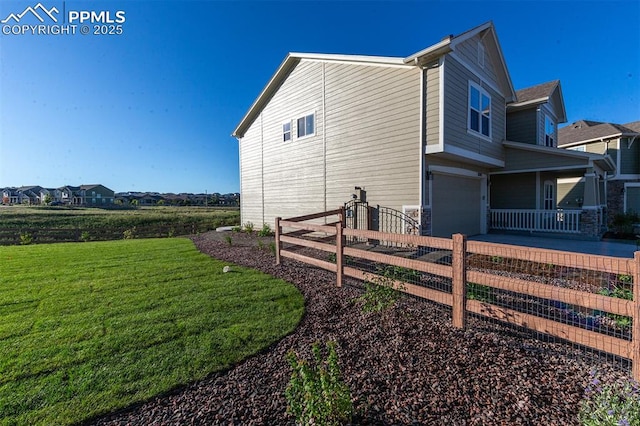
x: 622, y: 143
x: 440, y: 136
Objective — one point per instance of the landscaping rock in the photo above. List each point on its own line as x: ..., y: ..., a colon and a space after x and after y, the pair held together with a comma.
x: 405, y: 366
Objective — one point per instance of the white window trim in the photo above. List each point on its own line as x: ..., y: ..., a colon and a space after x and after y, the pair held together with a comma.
x: 482, y: 92
x: 315, y: 124
x: 290, y: 123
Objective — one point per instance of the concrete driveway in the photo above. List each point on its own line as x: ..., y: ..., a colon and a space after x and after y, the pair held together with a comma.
x: 605, y: 248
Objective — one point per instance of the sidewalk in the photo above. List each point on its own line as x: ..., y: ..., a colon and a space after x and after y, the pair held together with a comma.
x: 605, y: 248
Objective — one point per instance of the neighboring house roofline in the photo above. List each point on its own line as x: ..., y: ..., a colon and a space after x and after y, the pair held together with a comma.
x: 292, y: 59
x: 587, y: 131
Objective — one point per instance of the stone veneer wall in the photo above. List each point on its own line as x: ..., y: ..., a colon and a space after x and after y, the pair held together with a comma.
x: 425, y: 221
x: 615, y: 199
x: 589, y: 227
x: 415, y: 215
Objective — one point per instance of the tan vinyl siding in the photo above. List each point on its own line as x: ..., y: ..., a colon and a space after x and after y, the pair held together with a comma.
x: 521, y: 126
x: 294, y: 170
x: 468, y: 51
x: 600, y: 148
x: 456, y: 106
x: 251, y: 179
x: 373, y: 134
x: 516, y: 191
x: 432, y: 94
x: 629, y: 157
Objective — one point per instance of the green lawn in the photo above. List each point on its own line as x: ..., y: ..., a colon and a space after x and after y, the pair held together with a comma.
x: 86, y: 328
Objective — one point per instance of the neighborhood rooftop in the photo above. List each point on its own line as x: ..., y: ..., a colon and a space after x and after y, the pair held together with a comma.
x: 586, y: 130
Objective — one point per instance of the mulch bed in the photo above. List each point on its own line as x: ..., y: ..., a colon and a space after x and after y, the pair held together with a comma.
x: 407, y: 366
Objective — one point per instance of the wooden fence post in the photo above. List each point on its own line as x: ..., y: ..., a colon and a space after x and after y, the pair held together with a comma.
x: 277, y: 239
x: 459, y: 280
x: 635, y: 332
x: 339, y: 254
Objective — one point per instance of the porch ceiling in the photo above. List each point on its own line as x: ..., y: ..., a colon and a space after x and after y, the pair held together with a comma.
x: 522, y: 157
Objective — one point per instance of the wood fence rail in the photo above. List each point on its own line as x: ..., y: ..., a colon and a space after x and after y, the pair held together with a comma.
x: 461, y: 275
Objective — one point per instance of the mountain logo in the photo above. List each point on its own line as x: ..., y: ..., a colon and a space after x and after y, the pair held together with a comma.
x: 34, y: 11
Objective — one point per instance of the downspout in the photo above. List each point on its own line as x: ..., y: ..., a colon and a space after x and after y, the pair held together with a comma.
x: 423, y: 143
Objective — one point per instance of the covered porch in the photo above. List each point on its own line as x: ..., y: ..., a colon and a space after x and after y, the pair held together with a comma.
x: 546, y: 190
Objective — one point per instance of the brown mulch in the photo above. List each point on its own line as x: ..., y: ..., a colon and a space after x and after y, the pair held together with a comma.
x: 408, y: 366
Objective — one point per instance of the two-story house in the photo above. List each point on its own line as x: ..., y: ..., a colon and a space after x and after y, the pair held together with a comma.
x: 440, y: 135
x: 622, y: 143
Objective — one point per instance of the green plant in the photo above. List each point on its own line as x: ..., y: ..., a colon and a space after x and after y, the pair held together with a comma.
x: 171, y: 233
x: 260, y: 244
x: 228, y: 239
x: 625, y: 279
x: 248, y: 227
x: 617, y: 404
x: 236, y: 229
x: 85, y: 236
x: 332, y: 257
x: 497, y: 259
x: 398, y: 273
x: 265, y: 231
x: 26, y: 238
x: 619, y: 292
x: 316, y: 394
x: 272, y: 248
x: 480, y: 292
x: 130, y: 234
x: 623, y: 222
x: 380, y: 294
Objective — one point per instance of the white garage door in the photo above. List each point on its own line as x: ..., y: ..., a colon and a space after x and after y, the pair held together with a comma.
x: 455, y: 205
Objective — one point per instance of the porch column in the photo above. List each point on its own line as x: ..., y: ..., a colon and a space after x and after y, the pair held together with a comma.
x: 589, y: 222
x: 591, y: 199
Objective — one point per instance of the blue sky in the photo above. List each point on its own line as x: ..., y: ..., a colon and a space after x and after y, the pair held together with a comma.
x: 152, y: 109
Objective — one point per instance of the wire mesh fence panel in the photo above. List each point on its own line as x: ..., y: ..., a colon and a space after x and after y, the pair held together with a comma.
x: 582, y: 300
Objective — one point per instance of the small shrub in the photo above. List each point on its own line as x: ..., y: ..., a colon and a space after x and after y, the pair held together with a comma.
x: 617, y: 404
x: 623, y: 222
x: 380, y: 294
x: 332, y: 257
x: 227, y: 238
x: 265, y: 231
x: 85, y: 236
x: 130, y: 234
x: 26, y: 238
x: 272, y: 248
x: 399, y: 273
x: 236, y: 229
x: 171, y: 233
x: 481, y: 293
x: 260, y: 244
x: 248, y: 227
x: 316, y: 393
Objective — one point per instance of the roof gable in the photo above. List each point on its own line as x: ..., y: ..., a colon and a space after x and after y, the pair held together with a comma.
x: 285, y: 68
x: 487, y: 33
x: 549, y: 92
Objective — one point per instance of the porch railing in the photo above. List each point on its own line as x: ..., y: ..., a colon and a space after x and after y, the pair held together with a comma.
x: 567, y: 221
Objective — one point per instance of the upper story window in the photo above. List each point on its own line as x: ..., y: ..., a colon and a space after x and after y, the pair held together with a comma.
x: 549, y: 132
x: 479, y: 110
x: 306, y: 125
x: 580, y: 148
x: 286, y: 131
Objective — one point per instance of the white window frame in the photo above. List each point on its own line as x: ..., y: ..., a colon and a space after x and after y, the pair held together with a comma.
x: 482, y: 92
x: 305, y: 116
x: 549, y: 136
x: 285, y: 132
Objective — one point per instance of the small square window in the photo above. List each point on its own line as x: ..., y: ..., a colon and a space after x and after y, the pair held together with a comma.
x: 286, y: 131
